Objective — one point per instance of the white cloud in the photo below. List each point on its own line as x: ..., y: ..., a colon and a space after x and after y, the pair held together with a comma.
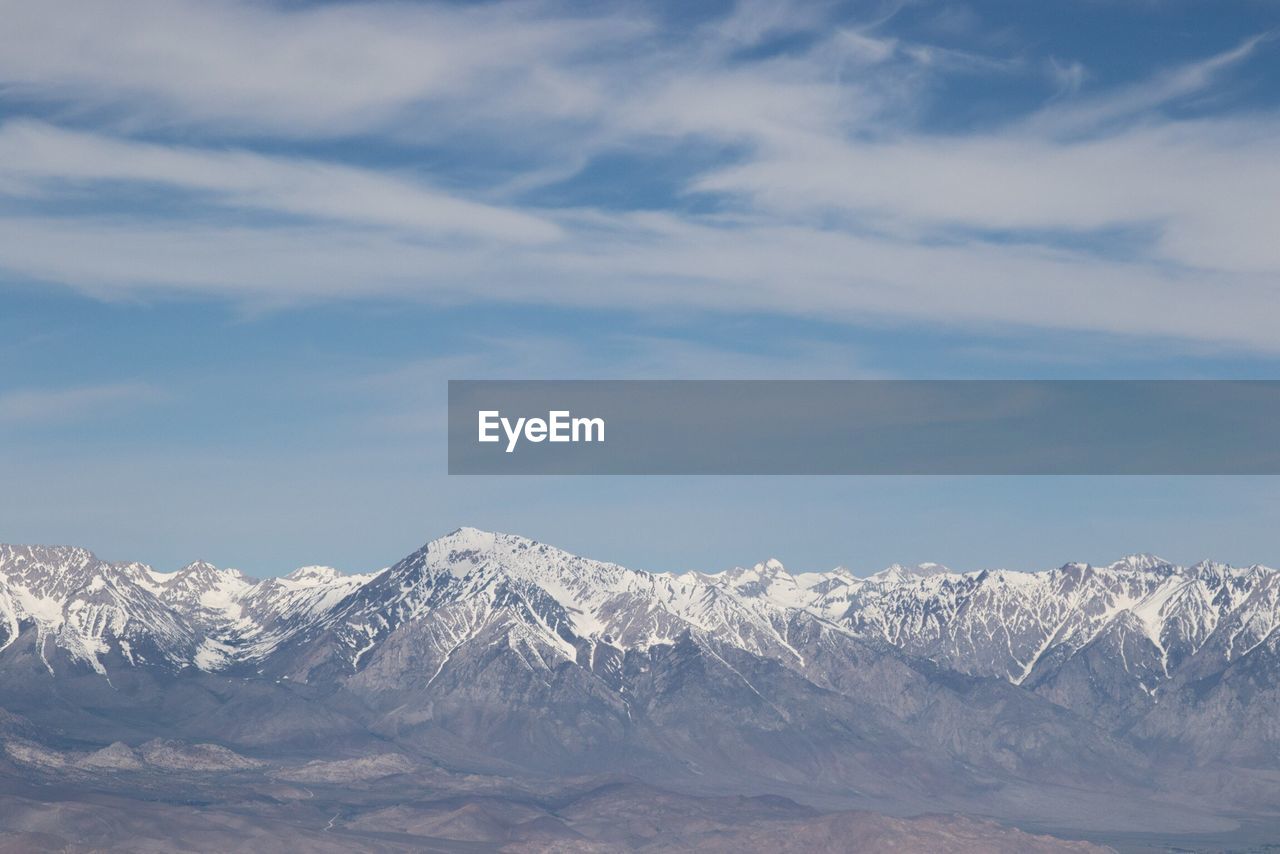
x: 37, y: 159
x: 1067, y: 76
x: 1146, y: 95
x: 830, y: 200
x: 43, y: 406
x: 665, y: 264
x: 304, y: 71
x: 1210, y: 181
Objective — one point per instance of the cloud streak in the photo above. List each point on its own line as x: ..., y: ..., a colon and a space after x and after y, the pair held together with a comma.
x: 58, y: 405
x: 827, y: 194
x: 298, y: 71
x: 38, y: 159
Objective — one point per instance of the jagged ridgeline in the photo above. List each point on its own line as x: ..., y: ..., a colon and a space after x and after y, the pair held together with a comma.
x: 494, y: 653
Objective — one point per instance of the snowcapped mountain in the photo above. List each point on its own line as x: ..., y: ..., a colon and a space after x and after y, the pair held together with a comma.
x: 493, y: 652
x: 66, y: 600
x: 1145, y: 615
x: 1140, y: 620
x: 897, y: 573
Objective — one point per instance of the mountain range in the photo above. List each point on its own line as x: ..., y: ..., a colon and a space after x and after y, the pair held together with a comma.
x: 1132, y: 701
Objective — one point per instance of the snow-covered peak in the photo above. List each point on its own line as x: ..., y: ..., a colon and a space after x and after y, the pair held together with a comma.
x: 1212, y: 568
x: 469, y: 576
x: 898, y: 573
x: 842, y: 573
x: 88, y: 607
x: 314, y: 574
x: 823, y: 584
x: 207, y: 597
x: 468, y: 552
x: 196, y: 576
x: 196, y: 580
x: 769, y: 580
x: 467, y: 539
x: 760, y: 572
x: 16, y: 555
x: 49, y: 570
x: 1143, y: 562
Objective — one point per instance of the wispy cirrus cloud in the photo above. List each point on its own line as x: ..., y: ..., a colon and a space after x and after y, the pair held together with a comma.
x: 39, y: 160
x: 36, y: 406
x: 232, y: 66
x: 819, y: 188
x: 1140, y: 98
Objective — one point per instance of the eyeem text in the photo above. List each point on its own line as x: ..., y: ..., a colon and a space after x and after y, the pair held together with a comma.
x: 558, y: 426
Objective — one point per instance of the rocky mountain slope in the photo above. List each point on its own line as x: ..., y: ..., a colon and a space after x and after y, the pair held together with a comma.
x: 1025, y: 693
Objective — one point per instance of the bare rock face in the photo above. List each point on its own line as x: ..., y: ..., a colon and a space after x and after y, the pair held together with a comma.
x: 117, y: 756
x: 360, y: 768
x: 178, y: 756
x: 32, y: 753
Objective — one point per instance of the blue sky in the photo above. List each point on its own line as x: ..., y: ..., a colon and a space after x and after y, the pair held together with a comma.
x: 244, y: 245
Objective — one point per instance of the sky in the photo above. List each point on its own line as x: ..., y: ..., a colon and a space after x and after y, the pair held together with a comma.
x: 243, y: 246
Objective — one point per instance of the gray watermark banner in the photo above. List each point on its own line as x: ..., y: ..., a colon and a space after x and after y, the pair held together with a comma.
x: 937, y: 427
